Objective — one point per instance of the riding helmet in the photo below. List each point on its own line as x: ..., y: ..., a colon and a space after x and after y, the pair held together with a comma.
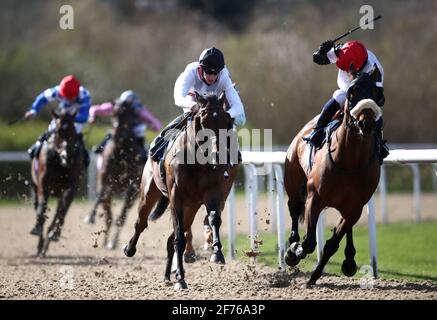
x: 352, y: 53
x: 212, y: 60
x: 69, y: 87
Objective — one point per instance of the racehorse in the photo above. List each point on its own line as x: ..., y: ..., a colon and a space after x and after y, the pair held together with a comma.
x: 344, y: 174
x: 121, y: 166
x: 56, y: 171
x: 187, y: 186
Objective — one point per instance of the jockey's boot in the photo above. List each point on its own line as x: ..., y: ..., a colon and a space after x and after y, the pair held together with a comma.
x: 34, y: 150
x: 159, y: 144
x: 99, y: 148
x: 86, y: 156
x: 381, y: 145
x: 315, y: 137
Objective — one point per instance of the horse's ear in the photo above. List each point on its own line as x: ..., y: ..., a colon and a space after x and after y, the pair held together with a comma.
x: 223, y: 101
x: 54, y: 114
x: 199, y: 99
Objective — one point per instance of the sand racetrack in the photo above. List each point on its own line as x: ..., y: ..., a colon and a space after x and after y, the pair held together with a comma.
x: 76, y: 269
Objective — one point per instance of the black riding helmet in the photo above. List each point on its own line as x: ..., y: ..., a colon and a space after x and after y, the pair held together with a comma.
x: 212, y: 60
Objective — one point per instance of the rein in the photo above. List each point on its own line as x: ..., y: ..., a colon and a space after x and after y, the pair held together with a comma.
x: 350, y: 125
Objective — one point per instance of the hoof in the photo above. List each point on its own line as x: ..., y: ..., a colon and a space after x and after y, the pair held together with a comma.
x: 54, y: 235
x: 167, y: 282
x: 217, y: 257
x: 129, y: 252
x: 308, y: 284
x: 349, y: 268
x: 181, y: 284
x: 37, y: 230
x: 190, y: 257
x: 290, y: 257
x: 90, y: 219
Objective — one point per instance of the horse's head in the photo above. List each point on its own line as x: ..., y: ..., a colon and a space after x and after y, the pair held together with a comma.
x: 211, y: 121
x: 361, y: 106
x: 64, y: 134
x: 212, y: 112
x: 122, y: 118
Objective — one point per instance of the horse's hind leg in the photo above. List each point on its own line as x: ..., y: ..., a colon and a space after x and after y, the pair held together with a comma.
x: 149, y: 196
x: 295, y: 186
x: 331, y: 246
x: 131, y: 194
x: 349, y: 266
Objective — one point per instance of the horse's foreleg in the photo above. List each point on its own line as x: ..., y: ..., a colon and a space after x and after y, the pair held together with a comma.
x: 91, y: 217
x: 207, y: 234
x: 331, y: 246
x: 41, y: 208
x: 148, y: 199
x: 215, y: 221
x: 131, y: 194
x: 106, y: 204
x: 170, y: 254
x: 349, y: 266
x: 297, y: 251
x: 189, y: 254
x: 63, y: 206
x: 179, y: 239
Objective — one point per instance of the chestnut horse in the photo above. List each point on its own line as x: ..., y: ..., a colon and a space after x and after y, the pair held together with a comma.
x: 122, y: 162
x: 344, y: 175
x: 190, y: 184
x: 56, y: 171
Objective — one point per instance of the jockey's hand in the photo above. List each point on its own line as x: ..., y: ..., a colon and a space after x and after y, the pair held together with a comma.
x: 29, y: 114
x: 326, y: 46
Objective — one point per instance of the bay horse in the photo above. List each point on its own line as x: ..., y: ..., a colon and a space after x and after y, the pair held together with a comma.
x: 121, y: 164
x: 56, y: 171
x: 344, y: 175
x: 187, y: 185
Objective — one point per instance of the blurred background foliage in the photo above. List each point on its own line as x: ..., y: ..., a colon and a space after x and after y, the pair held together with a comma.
x: 145, y: 44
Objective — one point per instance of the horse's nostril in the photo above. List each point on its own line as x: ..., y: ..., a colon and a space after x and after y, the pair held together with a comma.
x: 361, y: 124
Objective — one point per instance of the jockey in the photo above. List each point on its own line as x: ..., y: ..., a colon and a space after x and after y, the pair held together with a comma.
x: 70, y: 95
x: 208, y: 75
x: 143, y: 118
x: 350, y: 58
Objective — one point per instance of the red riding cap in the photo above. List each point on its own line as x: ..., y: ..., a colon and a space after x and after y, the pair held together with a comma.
x: 69, y: 87
x: 352, y: 52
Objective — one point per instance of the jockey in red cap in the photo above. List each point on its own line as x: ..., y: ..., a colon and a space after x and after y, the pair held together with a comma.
x: 350, y: 58
x: 70, y: 95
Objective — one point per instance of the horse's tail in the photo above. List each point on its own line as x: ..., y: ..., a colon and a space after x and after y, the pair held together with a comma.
x: 159, y: 209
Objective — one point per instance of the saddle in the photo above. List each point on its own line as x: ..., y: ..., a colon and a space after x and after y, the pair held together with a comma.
x: 324, y: 134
